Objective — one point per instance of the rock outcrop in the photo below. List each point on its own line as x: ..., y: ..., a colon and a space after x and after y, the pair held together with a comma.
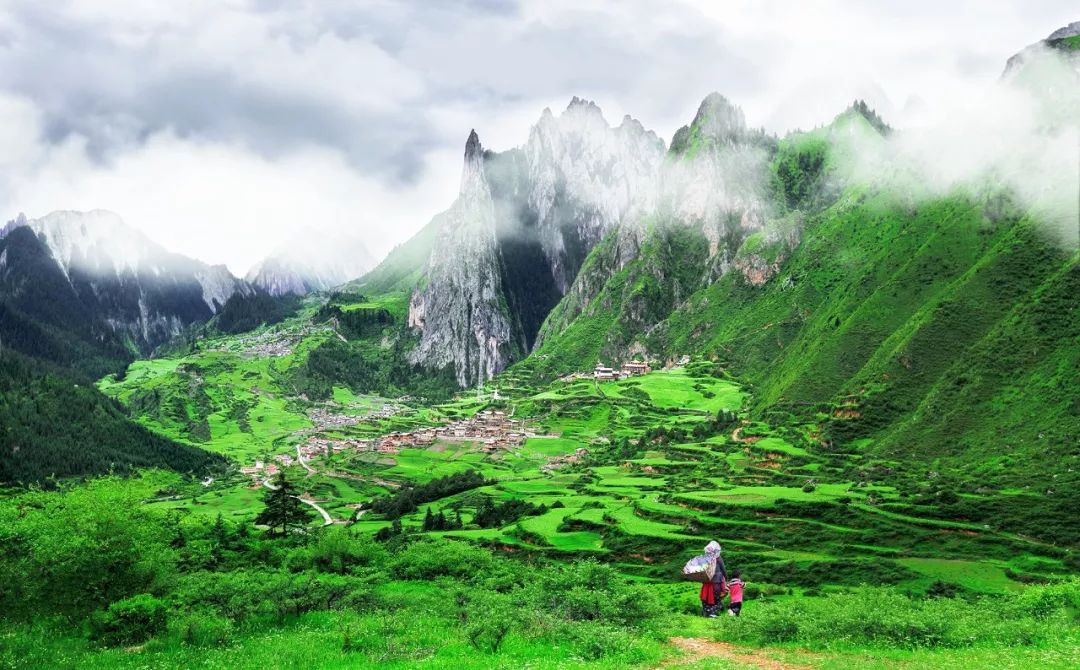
x: 459, y: 312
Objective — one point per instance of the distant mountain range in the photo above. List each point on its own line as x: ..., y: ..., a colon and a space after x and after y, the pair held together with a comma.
x: 315, y: 261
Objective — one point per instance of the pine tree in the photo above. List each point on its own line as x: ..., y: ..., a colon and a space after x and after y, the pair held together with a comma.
x: 429, y: 521
x: 440, y: 521
x: 283, y: 508
x: 219, y: 536
x: 458, y: 525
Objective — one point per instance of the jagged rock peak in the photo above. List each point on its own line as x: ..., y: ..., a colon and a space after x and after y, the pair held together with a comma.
x: 472, y: 146
x: 472, y: 173
x: 717, y: 117
x: 583, y: 104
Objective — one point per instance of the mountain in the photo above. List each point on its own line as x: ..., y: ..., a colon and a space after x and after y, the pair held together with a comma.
x: 111, y: 275
x: 1063, y: 42
x: 311, y: 262
x: 493, y: 266
x: 460, y: 310
x: 81, y: 295
x: 915, y: 327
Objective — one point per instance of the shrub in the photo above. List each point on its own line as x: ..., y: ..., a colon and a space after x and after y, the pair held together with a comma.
x: 879, y: 617
x: 590, y: 591
x: 202, y: 629
x: 593, y: 640
x: 129, y: 621
x: 428, y: 559
x: 337, y: 551
x: 489, y: 618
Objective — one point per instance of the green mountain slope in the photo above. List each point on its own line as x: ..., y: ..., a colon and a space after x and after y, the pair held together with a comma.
x: 53, y: 422
x: 939, y: 329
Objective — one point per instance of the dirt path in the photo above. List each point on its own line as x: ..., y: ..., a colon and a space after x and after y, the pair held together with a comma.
x: 327, y: 519
x: 697, y: 649
x: 300, y: 457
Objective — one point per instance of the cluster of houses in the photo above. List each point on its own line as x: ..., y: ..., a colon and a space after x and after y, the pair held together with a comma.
x: 556, y: 462
x: 317, y: 446
x: 324, y: 419
x: 493, y: 428
x: 259, y: 469
x: 271, y: 343
x: 602, y: 373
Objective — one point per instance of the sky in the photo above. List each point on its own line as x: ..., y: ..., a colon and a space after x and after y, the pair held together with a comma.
x: 224, y: 129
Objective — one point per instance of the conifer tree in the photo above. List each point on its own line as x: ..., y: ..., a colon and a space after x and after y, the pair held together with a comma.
x: 283, y: 508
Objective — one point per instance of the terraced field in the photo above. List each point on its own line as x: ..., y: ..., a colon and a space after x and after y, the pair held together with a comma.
x: 640, y: 472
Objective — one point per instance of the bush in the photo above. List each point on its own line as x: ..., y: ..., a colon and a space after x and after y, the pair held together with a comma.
x: 202, y: 629
x: 489, y: 618
x: 437, y: 558
x: 593, y: 640
x: 879, y: 617
x: 590, y: 591
x: 337, y: 551
x: 129, y: 621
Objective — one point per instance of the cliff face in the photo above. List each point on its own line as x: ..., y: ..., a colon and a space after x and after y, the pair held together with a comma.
x: 509, y: 268
x: 524, y: 222
x: 585, y: 177
x: 459, y: 311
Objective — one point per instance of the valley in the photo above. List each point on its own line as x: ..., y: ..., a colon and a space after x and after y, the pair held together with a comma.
x: 851, y: 363
x: 634, y: 470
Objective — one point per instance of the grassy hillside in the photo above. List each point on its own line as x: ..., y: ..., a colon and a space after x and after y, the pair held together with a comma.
x: 930, y: 331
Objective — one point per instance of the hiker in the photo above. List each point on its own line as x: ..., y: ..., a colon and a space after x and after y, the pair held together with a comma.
x: 735, y: 587
x: 712, y: 590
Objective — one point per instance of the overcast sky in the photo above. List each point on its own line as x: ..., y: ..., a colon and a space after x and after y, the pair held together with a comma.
x: 223, y: 127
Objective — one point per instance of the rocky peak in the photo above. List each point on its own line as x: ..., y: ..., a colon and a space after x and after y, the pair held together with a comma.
x: 718, y: 118
x: 581, y: 105
x: 472, y: 173
x: 458, y: 312
x: 584, y: 177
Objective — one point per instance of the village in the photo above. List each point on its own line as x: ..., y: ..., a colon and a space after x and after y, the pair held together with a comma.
x: 325, y: 419
x: 492, y: 429
x: 602, y: 373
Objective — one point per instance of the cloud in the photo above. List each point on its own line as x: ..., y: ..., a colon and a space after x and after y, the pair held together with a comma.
x: 196, y: 120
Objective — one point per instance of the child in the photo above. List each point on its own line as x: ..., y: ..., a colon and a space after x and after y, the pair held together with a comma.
x: 736, y: 588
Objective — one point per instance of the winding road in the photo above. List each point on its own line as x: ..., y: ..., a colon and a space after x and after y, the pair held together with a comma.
x: 327, y: 519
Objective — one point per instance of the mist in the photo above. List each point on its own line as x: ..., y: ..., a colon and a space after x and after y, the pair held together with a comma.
x: 1019, y: 134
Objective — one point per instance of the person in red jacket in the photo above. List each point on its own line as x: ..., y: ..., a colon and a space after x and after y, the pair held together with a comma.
x: 735, y: 587
x: 713, y: 590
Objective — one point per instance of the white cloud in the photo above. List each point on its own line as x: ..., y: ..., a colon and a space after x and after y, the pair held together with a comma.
x: 220, y: 127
